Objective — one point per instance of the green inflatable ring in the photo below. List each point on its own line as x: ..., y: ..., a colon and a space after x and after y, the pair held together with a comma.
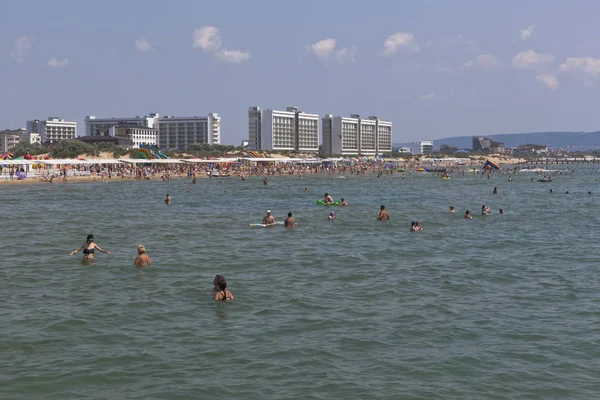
x: 335, y: 203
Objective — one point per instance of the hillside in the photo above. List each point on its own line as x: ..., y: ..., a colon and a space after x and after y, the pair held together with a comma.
x: 554, y: 140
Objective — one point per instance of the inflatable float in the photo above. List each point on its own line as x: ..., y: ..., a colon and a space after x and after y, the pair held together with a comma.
x: 265, y: 225
x: 335, y: 203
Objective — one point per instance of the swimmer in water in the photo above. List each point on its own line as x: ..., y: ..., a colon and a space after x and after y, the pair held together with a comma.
x: 88, y: 249
x: 289, y: 222
x: 143, y: 259
x: 221, y: 291
x: 502, y: 211
x: 265, y: 181
x: 331, y: 216
x: 485, y: 210
x: 383, y: 214
x: 343, y: 202
x: 495, y: 191
x: 168, y: 199
x: 305, y: 190
x: 413, y: 226
x: 328, y: 199
x: 268, y: 219
x: 468, y: 214
x: 452, y: 211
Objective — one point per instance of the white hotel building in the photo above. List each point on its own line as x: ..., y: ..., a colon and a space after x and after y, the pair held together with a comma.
x: 173, y: 132
x: 289, y: 130
x: 356, y: 136
x: 53, y: 129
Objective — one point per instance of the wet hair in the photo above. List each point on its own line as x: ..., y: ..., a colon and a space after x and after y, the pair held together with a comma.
x: 141, y: 249
x: 326, y: 194
x: 342, y: 199
x: 220, y: 282
x: 382, y: 207
x: 468, y: 212
x: 290, y: 214
x: 90, y: 238
x: 413, y: 223
x: 452, y: 207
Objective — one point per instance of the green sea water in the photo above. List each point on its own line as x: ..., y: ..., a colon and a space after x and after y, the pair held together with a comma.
x: 497, y: 307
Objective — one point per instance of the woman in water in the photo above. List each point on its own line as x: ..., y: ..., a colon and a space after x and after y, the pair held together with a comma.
x: 485, y: 210
x: 468, y: 214
x: 221, y: 291
x: 452, y: 209
x: 143, y: 259
x: 88, y: 249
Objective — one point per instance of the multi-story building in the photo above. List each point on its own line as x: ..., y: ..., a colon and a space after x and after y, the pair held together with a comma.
x: 173, y: 132
x: 290, y: 130
x: 423, y: 147
x: 481, y: 143
x: 356, y: 136
x: 53, y: 129
x: 254, y: 128
x: 30, y: 137
x: 182, y: 132
x: 9, y: 138
x: 99, y: 126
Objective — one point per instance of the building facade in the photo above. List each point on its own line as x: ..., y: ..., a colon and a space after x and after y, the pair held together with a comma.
x: 182, y: 132
x: 136, y: 133
x: 356, y: 136
x: 289, y: 130
x: 173, y: 132
x: 53, y: 129
x: 99, y: 126
x: 254, y: 128
x: 30, y: 138
x: 423, y: 147
x: 8, y: 139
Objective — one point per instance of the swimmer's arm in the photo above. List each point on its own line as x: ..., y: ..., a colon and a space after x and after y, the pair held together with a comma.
x: 102, y: 250
x: 76, y: 251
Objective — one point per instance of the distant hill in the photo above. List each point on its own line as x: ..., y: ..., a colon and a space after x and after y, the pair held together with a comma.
x: 554, y: 140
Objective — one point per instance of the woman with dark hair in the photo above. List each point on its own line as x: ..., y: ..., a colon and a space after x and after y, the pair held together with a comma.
x: 88, y: 249
x: 221, y: 291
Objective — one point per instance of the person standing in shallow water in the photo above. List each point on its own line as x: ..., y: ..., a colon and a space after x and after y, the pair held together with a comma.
x: 143, y: 259
x: 88, y: 249
x: 383, y: 214
x: 221, y: 291
x: 289, y: 221
x: 168, y: 199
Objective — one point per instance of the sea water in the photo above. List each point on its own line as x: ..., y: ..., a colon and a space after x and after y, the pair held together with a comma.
x: 497, y: 307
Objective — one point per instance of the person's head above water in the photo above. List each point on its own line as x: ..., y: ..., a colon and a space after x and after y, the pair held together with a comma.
x: 220, y: 282
x: 141, y: 249
x: 326, y: 194
x: 342, y: 199
x: 90, y: 238
x: 332, y: 213
x: 290, y: 214
x: 382, y: 207
x: 268, y: 211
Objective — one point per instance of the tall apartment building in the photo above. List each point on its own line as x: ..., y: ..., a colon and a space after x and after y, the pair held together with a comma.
x: 356, y: 136
x: 290, y: 130
x: 423, y: 147
x: 173, y: 132
x: 181, y: 132
x: 254, y: 128
x: 9, y: 138
x: 53, y: 129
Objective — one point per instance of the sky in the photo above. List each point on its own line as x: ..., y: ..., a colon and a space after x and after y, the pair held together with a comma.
x: 434, y: 68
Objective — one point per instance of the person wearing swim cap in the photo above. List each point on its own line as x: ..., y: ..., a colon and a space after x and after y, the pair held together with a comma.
x: 143, y: 259
x: 268, y: 219
x: 289, y: 221
x: 88, y: 249
x: 331, y: 216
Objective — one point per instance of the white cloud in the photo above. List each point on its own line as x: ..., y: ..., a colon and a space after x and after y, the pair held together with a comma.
x: 548, y: 80
x: 529, y: 59
x: 588, y: 67
x: 428, y: 96
x: 143, y: 45
x: 21, y: 45
x: 207, y: 38
x: 233, y: 56
x: 458, y: 41
x: 56, y: 63
x: 326, y: 50
x: 527, y: 32
x: 485, y: 61
x: 400, y: 41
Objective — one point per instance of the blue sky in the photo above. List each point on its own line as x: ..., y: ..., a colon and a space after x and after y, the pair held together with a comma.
x: 434, y: 68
